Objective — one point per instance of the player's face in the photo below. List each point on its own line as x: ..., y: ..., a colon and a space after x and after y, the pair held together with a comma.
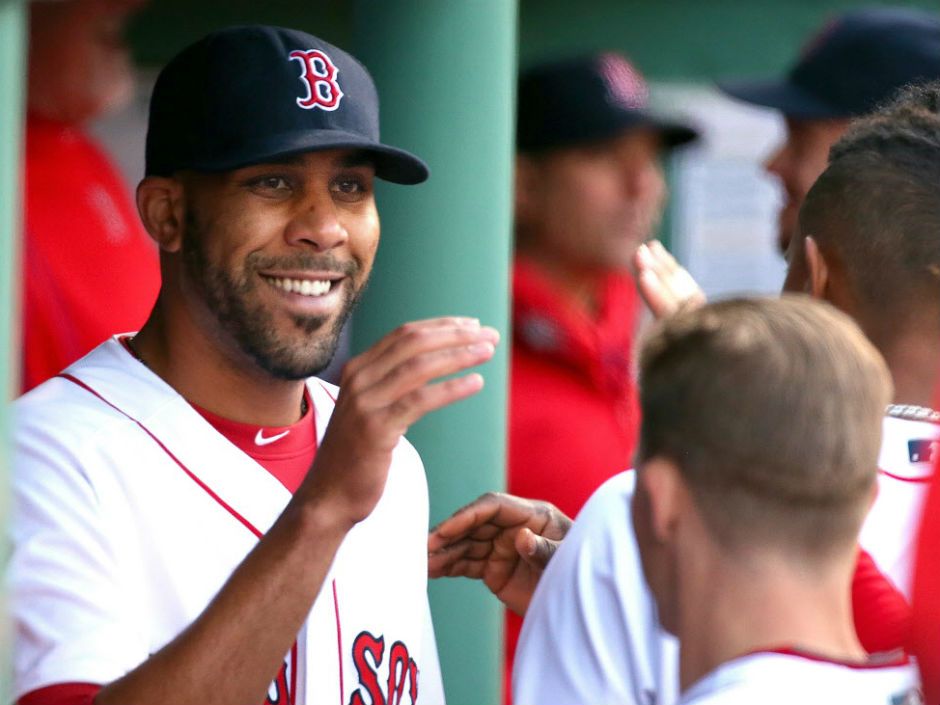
x: 798, y: 163
x: 79, y: 64
x: 592, y: 206
x: 276, y: 255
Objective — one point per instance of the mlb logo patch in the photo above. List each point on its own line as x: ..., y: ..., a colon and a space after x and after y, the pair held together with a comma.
x: 922, y: 450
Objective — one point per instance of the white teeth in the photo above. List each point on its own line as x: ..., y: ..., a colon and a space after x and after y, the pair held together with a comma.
x: 304, y: 287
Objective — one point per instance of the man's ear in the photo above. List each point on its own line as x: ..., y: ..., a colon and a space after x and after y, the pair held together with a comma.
x: 663, y: 489
x: 817, y: 267
x: 161, y: 207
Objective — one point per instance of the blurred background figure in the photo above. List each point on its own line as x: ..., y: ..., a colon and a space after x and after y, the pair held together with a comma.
x: 848, y: 67
x: 89, y: 269
x: 589, y: 191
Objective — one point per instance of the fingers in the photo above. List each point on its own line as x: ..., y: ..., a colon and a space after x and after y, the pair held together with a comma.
x: 444, y: 321
x: 411, y: 339
x: 416, y: 404
x: 535, y: 550
x: 665, y: 285
x: 486, y: 516
x: 425, y: 365
x: 458, y: 558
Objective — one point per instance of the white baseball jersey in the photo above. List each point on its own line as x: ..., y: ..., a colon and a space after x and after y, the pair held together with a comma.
x: 786, y: 678
x: 889, y: 533
x: 130, y: 513
x: 592, y: 634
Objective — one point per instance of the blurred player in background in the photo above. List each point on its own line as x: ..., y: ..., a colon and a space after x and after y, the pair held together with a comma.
x: 846, y: 69
x: 869, y: 246
x: 89, y: 268
x: 589, y: 189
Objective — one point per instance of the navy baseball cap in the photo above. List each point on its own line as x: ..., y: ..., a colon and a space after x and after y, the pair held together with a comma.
x: 855, y: 62
x: 247, y: 95
x: 587, y: 99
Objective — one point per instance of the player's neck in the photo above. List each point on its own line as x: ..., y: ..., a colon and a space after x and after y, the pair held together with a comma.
x: 578, y: 285
x: 175, y: 348
x: 761, y: 605
x: 912, y: 361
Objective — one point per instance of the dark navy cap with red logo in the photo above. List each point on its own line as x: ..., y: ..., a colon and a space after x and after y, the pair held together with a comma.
x: 587, y: 99
x: 852, y: 64
x: 247, y: 95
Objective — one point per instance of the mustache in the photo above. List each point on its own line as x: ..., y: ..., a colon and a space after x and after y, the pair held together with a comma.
x: 305, y: 261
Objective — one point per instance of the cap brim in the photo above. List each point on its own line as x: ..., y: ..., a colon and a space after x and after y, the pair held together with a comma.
x: 391, y: 163
x: 786, y: 97
x: 672, y: 134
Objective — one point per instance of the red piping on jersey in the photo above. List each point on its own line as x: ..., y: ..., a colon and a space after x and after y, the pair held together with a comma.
x: 247, y: 524
x: 890, y: 660
x: 917, y: 480
x: 339, y: 643
x: 293, y: 673
x: 328, y: 392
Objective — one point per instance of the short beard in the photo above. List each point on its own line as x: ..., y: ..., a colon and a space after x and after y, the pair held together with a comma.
x: 230, y: 297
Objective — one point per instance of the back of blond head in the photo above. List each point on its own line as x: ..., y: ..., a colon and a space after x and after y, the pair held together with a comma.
x: 771, y: 409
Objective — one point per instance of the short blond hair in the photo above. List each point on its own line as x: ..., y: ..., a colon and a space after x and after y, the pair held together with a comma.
x: 771, y: 409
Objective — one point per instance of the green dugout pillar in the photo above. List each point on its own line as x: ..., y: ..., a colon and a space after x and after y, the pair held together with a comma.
x: 445, y: 71
x: 12, y: 90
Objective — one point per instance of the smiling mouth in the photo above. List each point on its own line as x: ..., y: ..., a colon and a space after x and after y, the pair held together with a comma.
x: 303, y: 287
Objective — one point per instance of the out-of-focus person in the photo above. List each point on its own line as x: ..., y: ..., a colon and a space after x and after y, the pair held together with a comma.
x: 88, y: 266
x: 853, y: 63
x: 867, y: 245
x: 589, y: 189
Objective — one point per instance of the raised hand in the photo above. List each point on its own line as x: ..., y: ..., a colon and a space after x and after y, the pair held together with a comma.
x: 385, y: 390
x: 503, y: 540
x: 664, y: 284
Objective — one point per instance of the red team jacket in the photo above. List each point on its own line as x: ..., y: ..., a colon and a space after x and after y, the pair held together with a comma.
x: 573, y: 411
x: 89, y: 268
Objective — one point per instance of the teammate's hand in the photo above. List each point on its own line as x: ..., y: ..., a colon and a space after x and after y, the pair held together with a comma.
x: 665, y: 285
x: 505, y: 541
x: 383, y: 391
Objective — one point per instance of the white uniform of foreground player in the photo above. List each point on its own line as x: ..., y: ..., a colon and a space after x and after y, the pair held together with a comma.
x: 780, y: 678
x: 131, y: 512
x: 591, y: 633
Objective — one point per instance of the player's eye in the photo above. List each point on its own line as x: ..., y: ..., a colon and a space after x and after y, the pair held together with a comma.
x: 271, y: 185
x: 351, y: 187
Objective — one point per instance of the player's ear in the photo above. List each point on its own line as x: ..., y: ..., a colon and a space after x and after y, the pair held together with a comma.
x: 161, y: 208
x: 662, y: 488
x: 817, y: 267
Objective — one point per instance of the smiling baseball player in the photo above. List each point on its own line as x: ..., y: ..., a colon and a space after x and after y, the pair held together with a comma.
x: 197, y: 519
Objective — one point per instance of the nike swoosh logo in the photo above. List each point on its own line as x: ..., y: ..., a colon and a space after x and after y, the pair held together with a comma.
x: 260, y: 440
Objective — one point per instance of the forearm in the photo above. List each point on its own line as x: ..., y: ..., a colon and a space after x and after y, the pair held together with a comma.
x: 233, y: 650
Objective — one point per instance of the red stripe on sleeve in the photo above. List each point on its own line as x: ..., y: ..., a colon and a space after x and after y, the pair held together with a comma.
x: 882, y: 615
x: 62, y: 694
x: 926, y: 631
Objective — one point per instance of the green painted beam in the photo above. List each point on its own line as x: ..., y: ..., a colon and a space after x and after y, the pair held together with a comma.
x: 446, y: 75
x: 13, y: 18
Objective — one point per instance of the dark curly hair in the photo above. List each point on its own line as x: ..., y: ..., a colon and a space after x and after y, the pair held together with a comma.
x: 877, y: 205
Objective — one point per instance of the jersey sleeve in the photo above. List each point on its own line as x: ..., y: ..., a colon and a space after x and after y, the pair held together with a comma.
x: 62, y: 694
x: 70, y: 610
x: 591, y: 633
x: 926, y: 620
x: 882, y: 615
